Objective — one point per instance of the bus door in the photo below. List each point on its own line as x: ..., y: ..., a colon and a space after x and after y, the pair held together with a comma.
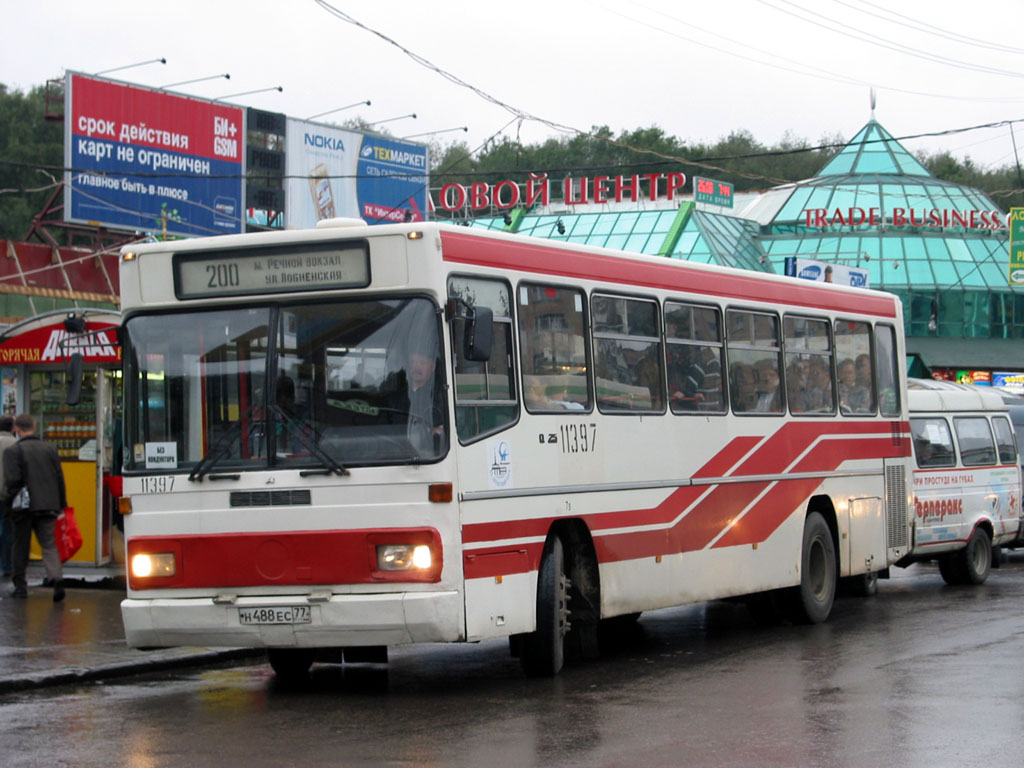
x: 110, y: 528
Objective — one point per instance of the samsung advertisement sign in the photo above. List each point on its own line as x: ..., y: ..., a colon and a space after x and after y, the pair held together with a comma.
x: 823, y: 272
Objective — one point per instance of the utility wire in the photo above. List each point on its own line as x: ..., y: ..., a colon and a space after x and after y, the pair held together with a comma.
x: 931, y: 29
x: 867, y: 37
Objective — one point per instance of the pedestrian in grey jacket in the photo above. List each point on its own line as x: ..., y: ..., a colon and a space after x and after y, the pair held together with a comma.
x: 33, y: 464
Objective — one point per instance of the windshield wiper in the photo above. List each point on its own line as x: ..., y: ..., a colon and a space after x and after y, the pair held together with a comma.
x: 220, y: 449
x: 330, y: 465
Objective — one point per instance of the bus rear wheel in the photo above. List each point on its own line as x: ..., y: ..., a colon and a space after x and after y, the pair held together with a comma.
x: 291, y: 663
x: 812, y: 600
x: 976, y: 557
x: 542, y: 652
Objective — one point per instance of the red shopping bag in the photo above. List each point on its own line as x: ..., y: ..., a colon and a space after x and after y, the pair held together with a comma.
x: 69, y: 538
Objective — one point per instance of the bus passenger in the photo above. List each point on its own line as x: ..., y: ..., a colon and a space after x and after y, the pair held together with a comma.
x: 744, y: 394
x: 797, y: 385
x: 685, y: 378
x: 423, y: 409
x: 818, y: 397
x: 768, y: 396
x: 852, y: 397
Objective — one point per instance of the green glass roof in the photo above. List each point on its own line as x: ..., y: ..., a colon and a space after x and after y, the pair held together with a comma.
x: 713, y: 238
x: 897, y: 261
x: 873, y: 150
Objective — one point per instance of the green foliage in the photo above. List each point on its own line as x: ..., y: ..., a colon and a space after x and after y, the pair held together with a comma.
x: 27, y: 141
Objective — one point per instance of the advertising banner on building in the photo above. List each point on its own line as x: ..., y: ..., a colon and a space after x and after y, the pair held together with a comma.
x: 823, y: 272
x: 336, y: 172
x: 151, y: 161
x: 1009, y: 380
x: 1016, y: 270
x: 53, y: 344
x: 712, y: 192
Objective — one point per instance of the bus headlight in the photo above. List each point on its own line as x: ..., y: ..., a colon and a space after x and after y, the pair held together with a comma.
x: 154, y: 566
x: 404, y: 557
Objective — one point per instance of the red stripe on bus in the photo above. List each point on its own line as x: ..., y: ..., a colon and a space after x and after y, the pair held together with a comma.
x: 676, y: 276
x: 774, y: 456
x: 715, y: 511
x: 790, y: 495
x: 673, y: 504
x: 281, y: 558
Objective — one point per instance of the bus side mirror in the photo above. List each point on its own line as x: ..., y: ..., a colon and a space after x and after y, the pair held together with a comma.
x: 479, y: 337
x: 74, y: 378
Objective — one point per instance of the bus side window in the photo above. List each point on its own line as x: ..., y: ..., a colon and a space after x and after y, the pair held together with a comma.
x: 553, y: 350
x: 933, y: 442
x: 887, y: 377
x: 694, y: 353
x: 627, y: 355
x: 755, y: 362
x: 485, y: 395
x: 975, y: 439
x: 808, y: 365
x: 853, y: 368
x: 1004, y: 441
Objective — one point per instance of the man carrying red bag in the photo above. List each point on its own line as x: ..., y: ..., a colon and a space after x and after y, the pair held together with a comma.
x: 32, y: 469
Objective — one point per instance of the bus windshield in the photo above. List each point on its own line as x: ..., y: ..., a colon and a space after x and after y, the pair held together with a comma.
x: 357, y: 382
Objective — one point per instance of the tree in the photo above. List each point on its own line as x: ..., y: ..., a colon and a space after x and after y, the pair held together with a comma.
x: 27, y: 144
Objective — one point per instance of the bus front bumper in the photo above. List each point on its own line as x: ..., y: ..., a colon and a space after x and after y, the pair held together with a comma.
x: 338, y: 621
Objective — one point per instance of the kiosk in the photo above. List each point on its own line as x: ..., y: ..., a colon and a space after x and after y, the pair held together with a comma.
x: 34, y: 379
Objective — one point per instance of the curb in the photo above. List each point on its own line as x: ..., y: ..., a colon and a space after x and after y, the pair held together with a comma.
x: 70, y: 675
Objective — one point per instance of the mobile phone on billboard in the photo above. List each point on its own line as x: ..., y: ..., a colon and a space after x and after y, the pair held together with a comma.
x: 323, y: 195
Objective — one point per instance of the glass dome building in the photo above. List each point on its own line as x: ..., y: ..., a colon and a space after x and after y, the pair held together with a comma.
x: 940, y: 246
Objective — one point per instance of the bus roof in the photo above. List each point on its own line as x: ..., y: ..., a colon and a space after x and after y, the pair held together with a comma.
x: 946, y: 400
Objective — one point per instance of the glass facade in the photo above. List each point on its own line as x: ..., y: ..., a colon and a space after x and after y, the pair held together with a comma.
x: 941, y: 247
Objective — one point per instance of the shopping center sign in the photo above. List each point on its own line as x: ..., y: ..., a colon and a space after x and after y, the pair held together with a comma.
x: 918, y: 218
x: 578, y: 190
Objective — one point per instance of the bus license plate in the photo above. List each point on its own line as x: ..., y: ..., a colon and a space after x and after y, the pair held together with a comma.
x: 294, y: 614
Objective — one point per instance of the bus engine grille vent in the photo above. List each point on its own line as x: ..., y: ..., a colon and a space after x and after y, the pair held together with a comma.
x: 896, y: 506
x: 270, y: 498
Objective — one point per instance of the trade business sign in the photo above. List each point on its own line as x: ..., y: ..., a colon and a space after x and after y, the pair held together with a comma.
x: 337, y: 172
x: 152, y: 161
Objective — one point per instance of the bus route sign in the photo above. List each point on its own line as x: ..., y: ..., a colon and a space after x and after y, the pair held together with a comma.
x: 270, y: 270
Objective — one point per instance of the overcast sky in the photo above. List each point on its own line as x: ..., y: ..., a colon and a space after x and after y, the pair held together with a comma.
x: 698, y: 70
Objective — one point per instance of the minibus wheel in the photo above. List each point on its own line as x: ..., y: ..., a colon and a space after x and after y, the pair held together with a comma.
x: 977, y: 556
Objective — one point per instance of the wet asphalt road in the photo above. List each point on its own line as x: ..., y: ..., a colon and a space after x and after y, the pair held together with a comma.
x: 921, y: 675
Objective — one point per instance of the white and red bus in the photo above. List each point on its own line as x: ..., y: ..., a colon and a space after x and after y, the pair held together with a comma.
x: 355, y: 437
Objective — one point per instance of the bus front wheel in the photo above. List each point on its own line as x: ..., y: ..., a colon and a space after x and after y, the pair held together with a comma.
x: 813, y: 598
x: 542, y: 652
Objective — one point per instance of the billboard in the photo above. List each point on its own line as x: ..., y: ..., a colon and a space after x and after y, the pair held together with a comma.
x: 1010, y: 380
x: 1016, y: 267
x: 840, y: 274
x: 151, y: 161
x: 336, y: 172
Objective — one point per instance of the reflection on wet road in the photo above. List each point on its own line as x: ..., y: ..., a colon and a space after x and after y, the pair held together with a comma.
x: 922, y: 674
